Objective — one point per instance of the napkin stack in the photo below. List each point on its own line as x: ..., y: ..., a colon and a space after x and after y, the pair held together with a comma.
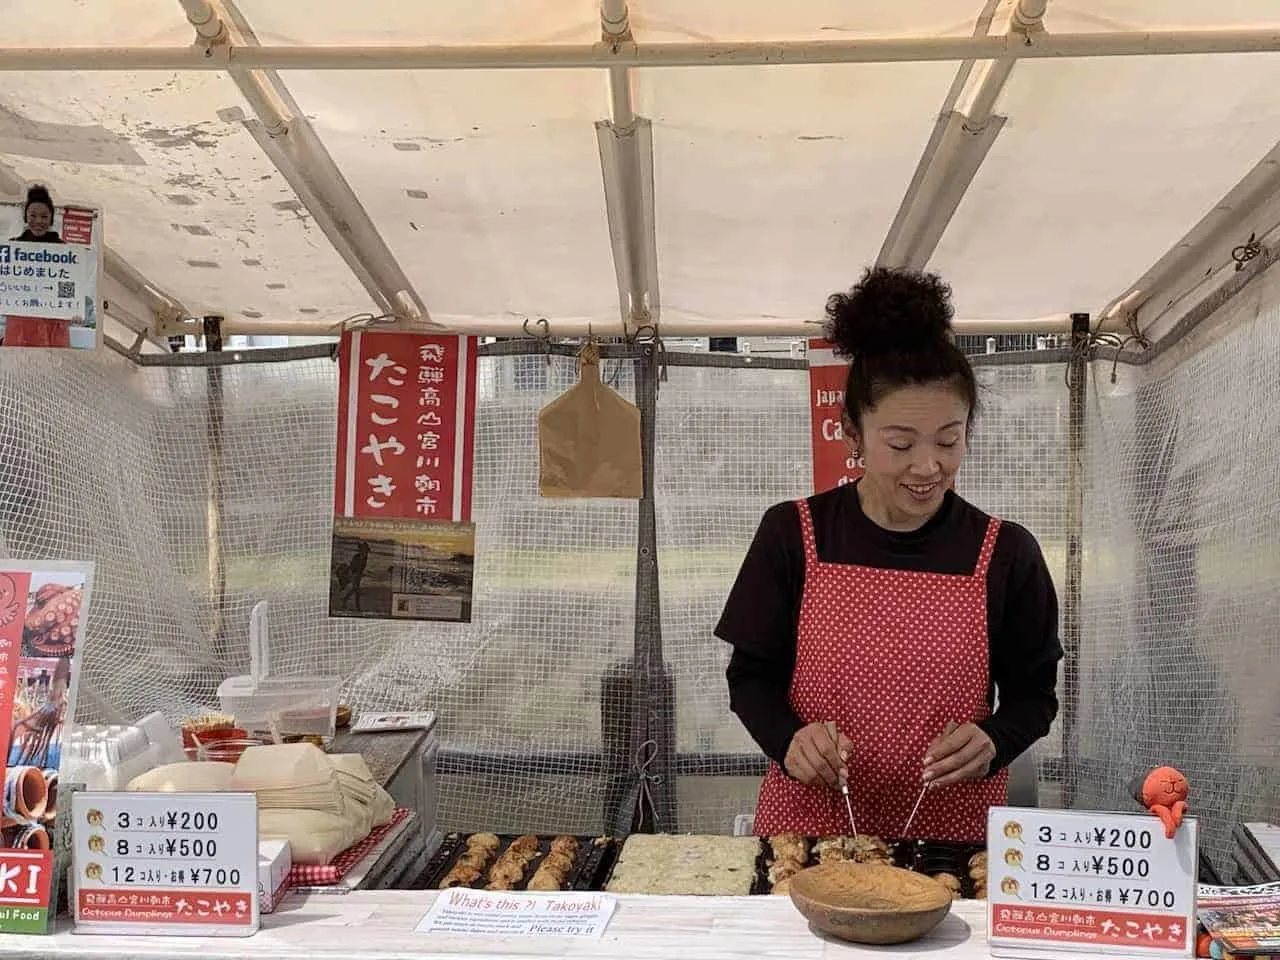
x: 321, y: 804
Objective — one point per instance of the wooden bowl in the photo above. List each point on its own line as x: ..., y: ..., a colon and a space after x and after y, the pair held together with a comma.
x: 868, y: 902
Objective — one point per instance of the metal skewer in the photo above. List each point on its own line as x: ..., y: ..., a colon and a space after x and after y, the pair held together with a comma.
x: 950, y: 729
x: 844, y: 780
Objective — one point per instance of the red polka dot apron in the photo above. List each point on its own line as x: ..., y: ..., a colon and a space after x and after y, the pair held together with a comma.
x: 891, y: 656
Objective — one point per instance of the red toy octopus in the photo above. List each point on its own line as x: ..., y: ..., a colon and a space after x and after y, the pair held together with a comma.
x: 1164, y: 792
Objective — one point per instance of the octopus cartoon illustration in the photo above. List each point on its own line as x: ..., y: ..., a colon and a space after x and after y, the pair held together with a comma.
x: 1164, y: 793
x: 1010, y: 887
x: 9, y: 606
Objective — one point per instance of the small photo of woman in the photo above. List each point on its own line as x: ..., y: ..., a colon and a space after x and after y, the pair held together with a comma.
x: 39, y: 712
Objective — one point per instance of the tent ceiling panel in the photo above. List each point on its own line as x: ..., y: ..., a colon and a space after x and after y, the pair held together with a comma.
x: 486, y: 186
x: 774, y: 187
x: 694, y: 20
x: 190, y: 199
x: 1083, y: 16
x: 1102, y: 167
x: 435, y: 21
x: 101, y: 23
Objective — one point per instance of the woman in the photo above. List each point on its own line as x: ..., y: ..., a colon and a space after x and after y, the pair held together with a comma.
x: 891, y: 607
x: 37, y: 331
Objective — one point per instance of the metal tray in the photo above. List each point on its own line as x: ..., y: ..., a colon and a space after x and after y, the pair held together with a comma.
x: 920, y: 856
x: 592, y: 864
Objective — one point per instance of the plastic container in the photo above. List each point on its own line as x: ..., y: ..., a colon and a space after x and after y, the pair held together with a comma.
x: 263, y: 704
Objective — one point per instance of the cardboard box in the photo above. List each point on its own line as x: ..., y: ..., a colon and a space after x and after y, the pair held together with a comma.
x: 274, y: 863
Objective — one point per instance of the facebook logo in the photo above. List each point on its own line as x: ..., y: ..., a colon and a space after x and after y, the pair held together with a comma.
x: 5, y: 253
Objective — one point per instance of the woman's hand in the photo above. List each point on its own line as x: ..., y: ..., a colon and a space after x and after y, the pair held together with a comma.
x: 815, y: 759
x: 961, y: 753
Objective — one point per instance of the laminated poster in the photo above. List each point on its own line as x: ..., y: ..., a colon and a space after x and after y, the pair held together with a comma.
x: 403, y: 541
x: 50, y: 286
x: 43, y: 606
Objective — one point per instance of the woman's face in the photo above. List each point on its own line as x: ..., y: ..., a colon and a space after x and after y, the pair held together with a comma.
x: 39, y: 219
x: 911, y: 446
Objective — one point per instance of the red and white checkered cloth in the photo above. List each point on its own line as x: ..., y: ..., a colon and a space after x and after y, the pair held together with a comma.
x: 331, y: 874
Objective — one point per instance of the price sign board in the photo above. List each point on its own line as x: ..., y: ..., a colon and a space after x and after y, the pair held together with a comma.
x: 1066, y: 882
x: 166, y: 864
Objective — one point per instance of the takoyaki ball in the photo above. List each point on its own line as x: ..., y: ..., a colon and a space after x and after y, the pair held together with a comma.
x: 545, y: 880
x: 557, y: 863
x: 477, y: 859
x: 566, y: 845
x: 782, y: 888
x: 784, y: 870
x: 867, y: 844
x: 950, y: 881
x: 484, y: 841
x: 460, y: 876
x: 507, y: 873
x: 979, y: 859
x: 789, y: 846
x: 830, y: 849
x: 528, y: 845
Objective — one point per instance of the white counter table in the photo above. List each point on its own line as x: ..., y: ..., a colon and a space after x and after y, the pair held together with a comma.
x: 373, y: 925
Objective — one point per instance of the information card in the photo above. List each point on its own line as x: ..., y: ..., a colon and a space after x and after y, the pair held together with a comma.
x: 515, y: 914
x: 1068, y: 882
x: 166, y: 864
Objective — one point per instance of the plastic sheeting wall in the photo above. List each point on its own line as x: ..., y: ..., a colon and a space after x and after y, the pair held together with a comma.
x: 1181, y: 631
x: 108, y: 461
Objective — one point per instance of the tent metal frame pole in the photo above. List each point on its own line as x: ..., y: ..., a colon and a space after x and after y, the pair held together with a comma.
x: 215, y: 505
x: 962, y: 137
x: 1077, y: 386
x: 722, y: 53
x: 614, y: 327
x: 654, y: 756
x: 285, y: 135
x: 626, y: 160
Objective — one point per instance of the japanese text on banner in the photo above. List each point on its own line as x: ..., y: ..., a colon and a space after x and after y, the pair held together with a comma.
x: 833, y: 463
x: 405, y: 430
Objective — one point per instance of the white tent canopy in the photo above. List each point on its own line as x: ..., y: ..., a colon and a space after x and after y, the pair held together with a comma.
x: 711, y: 166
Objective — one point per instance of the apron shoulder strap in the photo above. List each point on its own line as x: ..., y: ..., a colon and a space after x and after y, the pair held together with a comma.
x: 988, y: 548
x: 806, y: 533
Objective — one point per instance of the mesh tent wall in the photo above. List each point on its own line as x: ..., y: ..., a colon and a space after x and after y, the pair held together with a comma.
x: 107, y: 459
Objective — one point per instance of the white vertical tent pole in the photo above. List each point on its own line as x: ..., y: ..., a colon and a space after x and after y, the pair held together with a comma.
x: 626, y: 162
x: 960, y: 142
x: 291, y: 144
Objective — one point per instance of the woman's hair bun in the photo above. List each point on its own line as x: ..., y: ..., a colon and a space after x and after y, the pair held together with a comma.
x: 890, y: 311
x: 39, y: 193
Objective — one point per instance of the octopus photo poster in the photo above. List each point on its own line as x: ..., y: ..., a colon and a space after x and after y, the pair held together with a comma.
x: 42, y: 610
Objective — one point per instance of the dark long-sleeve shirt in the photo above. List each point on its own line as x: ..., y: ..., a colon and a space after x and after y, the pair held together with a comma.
x: 763, y: 609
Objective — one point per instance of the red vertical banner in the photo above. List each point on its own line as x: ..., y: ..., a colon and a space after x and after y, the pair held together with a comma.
x: 833, y: 464
x: 406, y: 422
x: 77, y: 225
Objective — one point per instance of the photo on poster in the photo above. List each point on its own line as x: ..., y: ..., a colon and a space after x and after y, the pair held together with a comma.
x: 52, y: 624
x: 50, y: 264
x: 402, y: 570
x: 30, y: 803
